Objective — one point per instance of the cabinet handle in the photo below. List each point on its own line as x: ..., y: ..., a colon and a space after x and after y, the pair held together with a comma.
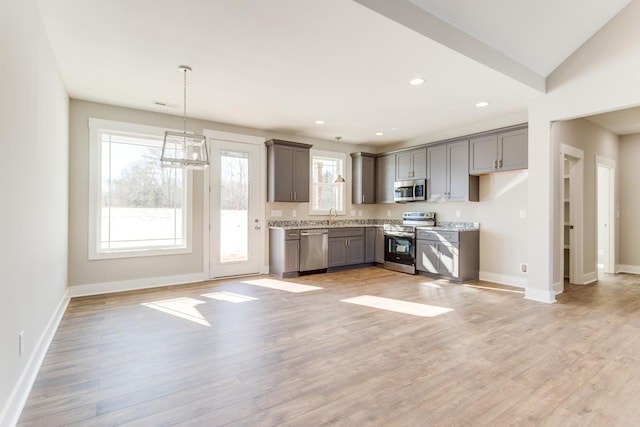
x: 291, y: 195
x: 500, y: 163
x: 295, y: 196
x: 363, y: 198
x: 495, y: 164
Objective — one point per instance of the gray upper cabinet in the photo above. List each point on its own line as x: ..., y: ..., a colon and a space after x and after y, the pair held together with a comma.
x: 411, y: 164
x: 287, y: 171
x: 502, y: 151
x: 385, y: 177
x: 364, y: 178
x: 448, y: 173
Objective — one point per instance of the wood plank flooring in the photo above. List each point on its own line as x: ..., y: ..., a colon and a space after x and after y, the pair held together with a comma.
x: 309, y: 359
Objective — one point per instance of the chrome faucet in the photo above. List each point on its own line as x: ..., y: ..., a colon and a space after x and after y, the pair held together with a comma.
x: 335, y: 212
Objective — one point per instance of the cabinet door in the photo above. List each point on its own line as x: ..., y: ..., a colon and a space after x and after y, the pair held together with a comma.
x: 461, y: 186
x: 385, y: 177
x: 379, y: 252
x: 280, y: 188
x: 363, y: 177
x: 355, y: 250
x: 404, y: 169
x: 483, y: 154
x: 514, y: 146
x: 337, y: 251
x: 370, y: 244
x: 448, y: 260
x: 437, y: 167
x: 419, y: 163
x: 427, y: 256
x: 291, y: 255
x: 300, y: 174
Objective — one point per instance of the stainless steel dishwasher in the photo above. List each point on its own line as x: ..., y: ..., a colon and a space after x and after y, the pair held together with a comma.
x: 314, y: 249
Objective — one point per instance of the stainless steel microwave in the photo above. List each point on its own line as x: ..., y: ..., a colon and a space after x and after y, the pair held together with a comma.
x: 409, y: 191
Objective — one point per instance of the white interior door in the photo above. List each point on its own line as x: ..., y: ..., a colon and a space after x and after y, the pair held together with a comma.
x: 606, y: 216
x: 236, y: 220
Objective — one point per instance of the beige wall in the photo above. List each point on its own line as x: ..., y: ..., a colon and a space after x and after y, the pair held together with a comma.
x: 600, y: 76
x: 593, y: 141
x: 33, y: 212
x: 629, y: 205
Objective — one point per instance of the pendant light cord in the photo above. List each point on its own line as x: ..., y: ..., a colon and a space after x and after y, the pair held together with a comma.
x: 184, y: 117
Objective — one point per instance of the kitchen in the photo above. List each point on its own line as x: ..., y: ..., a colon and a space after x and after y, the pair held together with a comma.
x: 464, y: 155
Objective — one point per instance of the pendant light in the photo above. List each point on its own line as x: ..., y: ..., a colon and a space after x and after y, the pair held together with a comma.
x: 340, y: 178
x: 182, y: 149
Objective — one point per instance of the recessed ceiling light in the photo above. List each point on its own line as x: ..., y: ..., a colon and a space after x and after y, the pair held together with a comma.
x: 482, y: 104
x: 379, y: 133
x: 319, y: 122
x: 417, y: 81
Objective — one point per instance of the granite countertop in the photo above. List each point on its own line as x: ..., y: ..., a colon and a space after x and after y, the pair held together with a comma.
x: 354, y: 223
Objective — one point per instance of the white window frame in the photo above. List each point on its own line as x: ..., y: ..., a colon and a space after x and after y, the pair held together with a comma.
x: 96, y: 126
x: 334, y: 155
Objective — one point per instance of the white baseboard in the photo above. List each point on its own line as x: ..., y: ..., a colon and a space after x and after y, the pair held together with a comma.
x: 539, y: 295
x: 589, y: 278
x: 633, y: 269
x: 518, y: 282
x: 13, y: 407
x: 132, y: 285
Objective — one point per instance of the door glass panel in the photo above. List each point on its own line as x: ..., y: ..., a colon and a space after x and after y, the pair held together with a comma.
x: 234, y: 204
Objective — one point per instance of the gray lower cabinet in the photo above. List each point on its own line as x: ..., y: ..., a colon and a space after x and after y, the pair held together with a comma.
x: 363, y: 178
x: 346, y: 246
x: 287, y: 171
x: 385, y: 178
x: 448, y: 173
x: 370, y: 244
x: 379, y: 251
x: 454, y: 255
x: 284, y: 252
x: 502, y: 151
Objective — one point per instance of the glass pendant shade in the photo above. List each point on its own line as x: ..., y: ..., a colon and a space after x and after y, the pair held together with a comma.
x: 184, y: 150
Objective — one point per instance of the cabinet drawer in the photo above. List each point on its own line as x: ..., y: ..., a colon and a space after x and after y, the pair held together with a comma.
x: 440, y: 236
x: 292, y: 235
x: 346, y: 232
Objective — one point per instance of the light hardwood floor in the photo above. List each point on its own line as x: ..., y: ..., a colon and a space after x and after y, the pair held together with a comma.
x: 309, y: 359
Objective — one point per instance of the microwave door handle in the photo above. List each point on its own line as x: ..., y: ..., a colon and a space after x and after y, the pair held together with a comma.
x: 414, y: 190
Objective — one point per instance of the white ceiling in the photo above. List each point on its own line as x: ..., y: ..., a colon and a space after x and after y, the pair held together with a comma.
x: 280, y: 65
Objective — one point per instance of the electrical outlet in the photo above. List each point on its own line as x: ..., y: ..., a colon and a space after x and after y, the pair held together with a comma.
x: 523, y: 267
x: 359, y: 213
x: 523, y: 214
x: 276, y: 213
x: 388, y: 213
x: 294, y: 213
x: 20, y: 343
x: 458, y: 214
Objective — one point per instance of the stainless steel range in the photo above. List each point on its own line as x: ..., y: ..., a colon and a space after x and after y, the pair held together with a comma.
x: 400, y: 241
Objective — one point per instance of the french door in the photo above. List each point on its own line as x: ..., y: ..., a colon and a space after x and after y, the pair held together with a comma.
x: 236, y: 220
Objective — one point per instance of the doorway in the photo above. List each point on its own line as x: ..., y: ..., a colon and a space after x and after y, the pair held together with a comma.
x: 236, y: 220
x: 606, y: 214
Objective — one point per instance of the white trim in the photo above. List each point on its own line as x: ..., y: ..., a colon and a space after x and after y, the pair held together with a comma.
x: 95, y: 167
x: 15, y: 404
x: 558, y: 287
x: 589, y: 278
x: 623, y: 268
x: 546, y: 296
x: 518, y: 282
x: 576, y: 196
x: 134, y: 284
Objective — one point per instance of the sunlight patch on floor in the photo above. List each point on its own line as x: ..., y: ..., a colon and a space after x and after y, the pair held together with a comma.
x: 281, y: 285
x: 229, y: 297
x: 516, y: 291
x: 406, y: 307
x: 184, y: 308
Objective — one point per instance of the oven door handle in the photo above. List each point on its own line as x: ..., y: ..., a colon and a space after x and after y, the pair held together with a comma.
x: 398, y: 234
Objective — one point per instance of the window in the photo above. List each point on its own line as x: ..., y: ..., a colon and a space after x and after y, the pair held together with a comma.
x: 137, y: 207
x: 325, y: 192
